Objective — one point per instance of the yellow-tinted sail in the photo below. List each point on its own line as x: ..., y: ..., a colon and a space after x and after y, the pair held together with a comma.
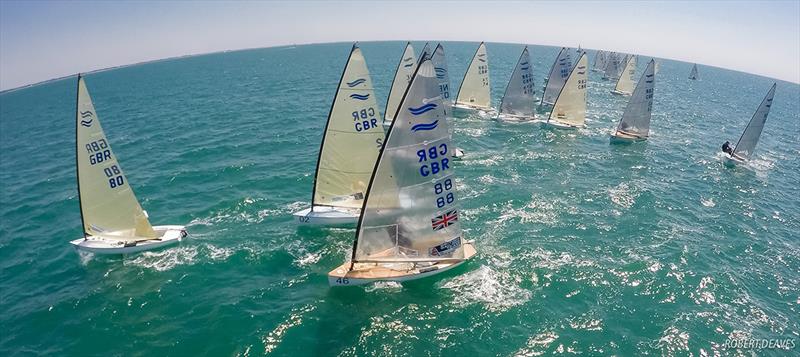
x: 570, y: 107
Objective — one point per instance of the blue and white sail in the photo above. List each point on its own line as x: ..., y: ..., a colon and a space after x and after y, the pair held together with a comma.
x: 475, y: 90
x: 442, y: 75
x: 635, y: 122
x: 518, y: 100
x: 627, y: 79
x: 569, y: 109
x: 559, y: 72
x: 402, y: 77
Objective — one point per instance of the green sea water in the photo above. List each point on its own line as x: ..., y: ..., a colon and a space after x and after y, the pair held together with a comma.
x: 583, y: 247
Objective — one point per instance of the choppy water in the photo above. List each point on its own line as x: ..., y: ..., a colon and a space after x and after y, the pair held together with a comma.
x: 583, y: 247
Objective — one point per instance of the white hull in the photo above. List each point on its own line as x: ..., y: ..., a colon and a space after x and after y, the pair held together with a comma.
x: 616, y: 92
x: 99, y: 245
x: 622, y: 138
x: 327, y: 216
x: 732, y: 161
x: 558, y: 125
x: 365, y: 273
x: 479, y: 110
x: 516, y: 118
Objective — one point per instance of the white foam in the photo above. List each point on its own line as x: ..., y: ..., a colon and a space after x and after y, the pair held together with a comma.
x: 496, y: 291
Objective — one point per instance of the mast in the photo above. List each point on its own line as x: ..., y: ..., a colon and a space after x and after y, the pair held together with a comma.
x: 747, y: 142
x: 77, y: 150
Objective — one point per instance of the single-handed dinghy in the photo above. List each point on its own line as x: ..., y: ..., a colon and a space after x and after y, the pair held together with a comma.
x: 350, y: 144
x: 113, y: 221
x: 635, y: 122
x: 693, y: 74
x: 440, y: 66
x: 569, y: 110
x: 402, y: 77
x: 474, y: 93
x: 627, y: 78
x: 410, y: 225
x: 747, y: 142
x: 600, y: 61
x: 518, y: 100
x: 614, y: 66
x: 559, y: 72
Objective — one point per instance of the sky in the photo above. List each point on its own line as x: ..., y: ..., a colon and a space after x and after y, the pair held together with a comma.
x: 41, y: 40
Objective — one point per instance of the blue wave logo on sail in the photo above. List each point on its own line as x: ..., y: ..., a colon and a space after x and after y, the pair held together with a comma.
x: 421, y: 127
x: 524, y: 68
x: 440, y: 72
x: 423, y: 109
x: 356, y: 82
x: 87, y: 122
x: 359, y: 96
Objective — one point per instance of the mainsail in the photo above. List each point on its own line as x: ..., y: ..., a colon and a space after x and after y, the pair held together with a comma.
x: 636, y: 117
x: 747, y: 143
x: 411, y: 211
x: 518, y: 98
x: 405, y: 69
x: 693, y: 74
x: 600, y: 60
x: 440, y: 66
x: 474, y: 90
x: 570, y: 106
x: 615, y: 66
x: 626, y: 79
x: 108, y: 206
x: 558, y: 75
x: 352, y: 139
x: 425, y: 54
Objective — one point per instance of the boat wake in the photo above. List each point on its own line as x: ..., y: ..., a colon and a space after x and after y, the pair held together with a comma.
x: 497, y: 291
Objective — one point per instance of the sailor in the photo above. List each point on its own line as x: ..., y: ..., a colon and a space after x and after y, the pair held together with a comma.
x: 726, y: 148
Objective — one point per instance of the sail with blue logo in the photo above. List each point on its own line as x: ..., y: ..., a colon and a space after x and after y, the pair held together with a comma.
x: 402, y: 76
x: 636, y: 117
x: 558, y: 76
x: 627, y: 79
x: 570, y: 105
x: 518, y: 99
x: 109, y: 207
x: 352, y: 139
x: 440, y: 66
x: 600, y: 61
x: 747, y: 142
x: 411, y: 212
x: 615, y: 66
x: 475, y: 90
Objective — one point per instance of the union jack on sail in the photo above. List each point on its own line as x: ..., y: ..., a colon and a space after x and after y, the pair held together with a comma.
x: 443, y: 220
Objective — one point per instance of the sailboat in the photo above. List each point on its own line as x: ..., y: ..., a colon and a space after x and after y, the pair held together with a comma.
x: 349, y: 148
x: 518, y: 101
x: 426, y: 53
x: 626, y: 80
x: 440, y: 66
x: 474, y: 93
x: 113, y: 221
x: 747, y: 142
x: 569, y: 110
x: 402, y: 76
x: 693, y: 74
x: 410, y: 225
x: 600, y: 61
x: 559, y: 72
x: 614, y: 66
x: 635, y: 122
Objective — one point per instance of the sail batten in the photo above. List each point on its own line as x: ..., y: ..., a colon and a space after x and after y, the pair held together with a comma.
x: 636, y: 117
x: 475, y: 89
x: 351, y: 141
x: 519, y: 95
x: 747, y: 142
x: 570, y: 105
x: 402, y: 77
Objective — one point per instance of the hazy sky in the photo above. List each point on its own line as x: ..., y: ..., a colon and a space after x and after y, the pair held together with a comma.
x: 41, y: 40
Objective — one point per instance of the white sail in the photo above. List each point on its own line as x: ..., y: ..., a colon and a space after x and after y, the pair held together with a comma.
x: 440, y: 66
x: 614, y: 66
x: 402, y: 77
x: 475, y: 90
x: 425, y: 54
x: 600, y: 60
x: 353, y: 136
x: 693, y: 74
x: 747, y: 143
x: 570, y: 106
x: 108, y: 206
x: 411, y: 211
x: 636, y: 117
x: 518, y: 98
x: 626, y: 79
x: 558, y: 76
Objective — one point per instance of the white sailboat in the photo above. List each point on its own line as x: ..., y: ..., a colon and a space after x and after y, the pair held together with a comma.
x: 410, y: 225
x: 113, y: 221
x: 599, y: 61
x: 518, y: 100
x: 614, y: 66
x: 474, y: 93
x: 569, y: 110
x: 440, y: 66
x: 635, y: 122
x: 350, y: 144
x: 693, y: 74
x: 626, y: 79
x: 747, y: 142
x: 559, y: 72
x: 402, y: 77
x: 426, y: 53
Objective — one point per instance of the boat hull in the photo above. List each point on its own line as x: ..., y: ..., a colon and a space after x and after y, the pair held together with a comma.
x: 622, y: 138
x: 168, y: 235
x: 326, y: 216
x: 624, y: 94
x: 516, y: 118
x: 365, y: 273
x: 558, y: 125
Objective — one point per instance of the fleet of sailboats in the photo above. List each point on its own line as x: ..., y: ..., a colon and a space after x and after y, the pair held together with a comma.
x: 635, y: 122
x: 744, y: 148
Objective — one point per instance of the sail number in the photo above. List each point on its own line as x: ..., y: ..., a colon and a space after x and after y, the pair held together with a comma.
x: 443, y: 195
x: 98, y: 151
x: 581, y: 83
x: 434, y: 160
x: 114, y: 176
x: 364, y: 119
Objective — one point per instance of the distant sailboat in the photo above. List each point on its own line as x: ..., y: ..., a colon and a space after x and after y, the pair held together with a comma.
x: 518, y: 101
x: 569, y: 110
x: 626, y: 79
x: 113, y: 221
x: 349, y: 148
x: 559, y: 72
x: 402, y: 77
x: 474, y: 92
x: 693, y: 74
x: 743, y: 150
x: 615, y: 66
x: 635, y: 122
x: 600, y: 61
x: 410, y: 226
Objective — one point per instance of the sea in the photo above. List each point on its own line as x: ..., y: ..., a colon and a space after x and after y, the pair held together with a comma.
x: 654, y: 248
